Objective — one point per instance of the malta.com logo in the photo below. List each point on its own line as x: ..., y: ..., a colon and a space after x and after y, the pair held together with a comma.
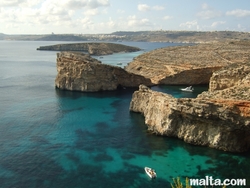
x: 210, y: 181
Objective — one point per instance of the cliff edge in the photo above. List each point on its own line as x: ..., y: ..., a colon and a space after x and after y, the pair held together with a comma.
x: 219, y: 119
x: 188, y: 65
x: 80, y: 72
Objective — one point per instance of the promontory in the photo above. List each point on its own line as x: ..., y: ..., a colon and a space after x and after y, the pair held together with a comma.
x: 80, y: 72
x: 91, y: 48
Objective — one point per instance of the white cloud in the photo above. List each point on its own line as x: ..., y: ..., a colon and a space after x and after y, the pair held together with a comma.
x: 91, y: 12
x: 111, y: 23
x: 157, y: 7
x: 52, y: 14
x: 78, y: 4
x: 16, y: 3
x: 238, y: 13
x: 119, y: 11
x: 135, y: 22
x: 205, y: 6
x: 190, y: 24
x: 215, y: 24
x: 208, y: 12
x: 167, y: 17
x: 97, y: 3
x: 143, y: 7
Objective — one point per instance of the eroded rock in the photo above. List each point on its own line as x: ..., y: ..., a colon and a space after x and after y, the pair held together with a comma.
x: 218, y: 124
x: 219, y: 118
x: 80, y: 72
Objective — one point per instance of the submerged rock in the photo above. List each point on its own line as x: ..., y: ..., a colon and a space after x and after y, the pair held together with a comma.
x: 80, y: 72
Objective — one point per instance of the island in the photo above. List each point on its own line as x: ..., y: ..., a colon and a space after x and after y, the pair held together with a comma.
x: 94, y: 48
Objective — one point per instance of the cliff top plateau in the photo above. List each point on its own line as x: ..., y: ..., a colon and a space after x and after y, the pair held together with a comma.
x: 189, y: 64
x: 91, y: 48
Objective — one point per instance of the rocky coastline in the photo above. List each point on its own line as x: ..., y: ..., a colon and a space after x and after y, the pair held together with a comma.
x: 91, y: 48
x: 219, y: 118
x: 80, y: 72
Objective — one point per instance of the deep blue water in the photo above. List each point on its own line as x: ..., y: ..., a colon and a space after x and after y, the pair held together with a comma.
x: 60, y: 139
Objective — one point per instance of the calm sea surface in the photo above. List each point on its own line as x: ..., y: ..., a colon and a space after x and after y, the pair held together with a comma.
x: 61, y: 139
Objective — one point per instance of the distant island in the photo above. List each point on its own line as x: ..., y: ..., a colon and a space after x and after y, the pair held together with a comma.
x: 91, y: 48
x: 142, y: 36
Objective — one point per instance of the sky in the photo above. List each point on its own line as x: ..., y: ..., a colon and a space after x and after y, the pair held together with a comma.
x: 107, y: 16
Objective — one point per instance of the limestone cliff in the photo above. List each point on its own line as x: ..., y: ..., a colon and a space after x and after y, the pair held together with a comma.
x: 218, y: 118
x: 80, y: 72
x: 91, y: 48
x: 219, y: 124
x: 188, y: 65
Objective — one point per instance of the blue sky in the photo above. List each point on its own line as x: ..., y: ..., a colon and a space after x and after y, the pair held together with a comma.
x: 106, y: 16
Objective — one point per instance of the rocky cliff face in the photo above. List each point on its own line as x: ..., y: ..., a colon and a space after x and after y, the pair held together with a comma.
x: 91, y: 48
x: 218, y: 124
x: 219, y: 118
x: 230, y: 83
x: 189, y: 65
x: 229, y: 76
x: 80, y: 72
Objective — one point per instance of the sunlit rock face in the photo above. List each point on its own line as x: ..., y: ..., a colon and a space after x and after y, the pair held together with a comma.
x: 219, y: 124
x: 80, y: 72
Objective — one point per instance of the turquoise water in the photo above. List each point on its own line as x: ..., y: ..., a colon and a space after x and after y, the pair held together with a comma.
x: 52, y: 138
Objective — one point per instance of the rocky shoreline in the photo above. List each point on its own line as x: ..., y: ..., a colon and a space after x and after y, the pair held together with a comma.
x: 218, y: 118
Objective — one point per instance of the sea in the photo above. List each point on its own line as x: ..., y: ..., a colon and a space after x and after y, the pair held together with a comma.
x: 51, y: 138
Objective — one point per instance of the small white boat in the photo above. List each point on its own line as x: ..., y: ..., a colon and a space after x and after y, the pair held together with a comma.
x: 188, y: 89
x: 150, y: 172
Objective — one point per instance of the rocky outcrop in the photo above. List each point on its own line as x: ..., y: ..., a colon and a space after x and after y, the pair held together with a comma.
x: 218, y: 124
x: 91, y: 48
x: 189, y: 65
x: 229, y: 76
x: 219, y: 118
x: 230, y: 83
x: 80, y: 72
